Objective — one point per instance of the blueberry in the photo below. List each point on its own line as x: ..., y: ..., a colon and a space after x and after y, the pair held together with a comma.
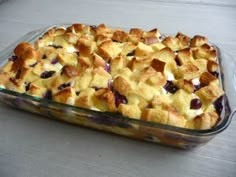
x: 107, y: 67
x: 195, y: 104
x: 120, y: 99
x: 47, y: 74
x: 197, y: 87
x: 62, y: 86
x: 170, y: 87
x: 13, y: 58
x: 54, y: 61
x: 218, y: 104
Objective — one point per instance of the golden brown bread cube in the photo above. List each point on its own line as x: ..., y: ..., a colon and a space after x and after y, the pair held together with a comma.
x: 185, y: 85
x: 136, y: 99
x: 205, y: 120
x: 83, y: 81
x: 212, y: 66
x: 117, y: 63
x: 72, y: 38
x: 86, y: 98
x: 150, y: 40
x: 27, y: 74
x: 67, y: 58
x: 107, y: 98
x: 146, y: 73
x: 158, y: 80
x: 70, y: 71
x: 172, y: 43
x: 187, y: 71
x: 166, y: 55
x: 154, y: 32
x: 205, y: 51
x: 36, y: 90
x: 201, y: 64
x: 66, y: 96
x: 98, y: 61
x: 143, y: 50
x: 100, y: 78
x: 158, y: 65
x: 183, y: 39
x: 120, y: 36
x: 209, y: 93
x: 181, y: 101
x: 184, y: 56
x: 135, y: 34
x: 207, y: 78
x: 198, y: 40
x: 109, y: 49
x: 132, y: 111
x: 121, y: 85
x: 165, y: 115
x: 139, y: 64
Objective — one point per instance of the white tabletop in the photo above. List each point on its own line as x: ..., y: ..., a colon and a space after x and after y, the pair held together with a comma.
x: 33, y: 146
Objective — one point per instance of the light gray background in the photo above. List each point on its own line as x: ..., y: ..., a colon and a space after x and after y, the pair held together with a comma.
x: 31, y: 146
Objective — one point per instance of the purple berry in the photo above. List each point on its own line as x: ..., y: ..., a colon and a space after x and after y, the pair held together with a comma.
x: 107, y: 67
x: 62, y: 86
x: 197, y: 87
x: 13, y: 58
x: 170, y: 87
x: 218, y: 104
x: 120, y: 99
x: 47, y: 74
x: 54, y: 61
x: 195, y: 104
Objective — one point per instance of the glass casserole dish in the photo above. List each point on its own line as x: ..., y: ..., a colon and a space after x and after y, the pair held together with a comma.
x: 115, y: 123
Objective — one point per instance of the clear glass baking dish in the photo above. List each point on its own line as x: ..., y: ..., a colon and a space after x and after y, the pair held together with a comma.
x: 114, y: 123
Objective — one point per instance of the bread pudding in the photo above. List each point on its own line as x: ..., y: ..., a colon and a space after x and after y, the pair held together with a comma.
x: 139, y: 74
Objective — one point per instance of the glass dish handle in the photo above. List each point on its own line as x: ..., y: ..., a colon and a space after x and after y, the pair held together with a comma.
x: 229, y: 79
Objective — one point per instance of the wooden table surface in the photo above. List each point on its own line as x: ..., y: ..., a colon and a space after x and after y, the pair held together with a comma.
x: 31, y: 146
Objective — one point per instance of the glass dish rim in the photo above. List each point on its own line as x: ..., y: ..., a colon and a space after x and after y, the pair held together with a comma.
x: 33, y: 35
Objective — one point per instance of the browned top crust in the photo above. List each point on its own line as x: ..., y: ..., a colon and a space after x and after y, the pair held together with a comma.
x: 137, y: 73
